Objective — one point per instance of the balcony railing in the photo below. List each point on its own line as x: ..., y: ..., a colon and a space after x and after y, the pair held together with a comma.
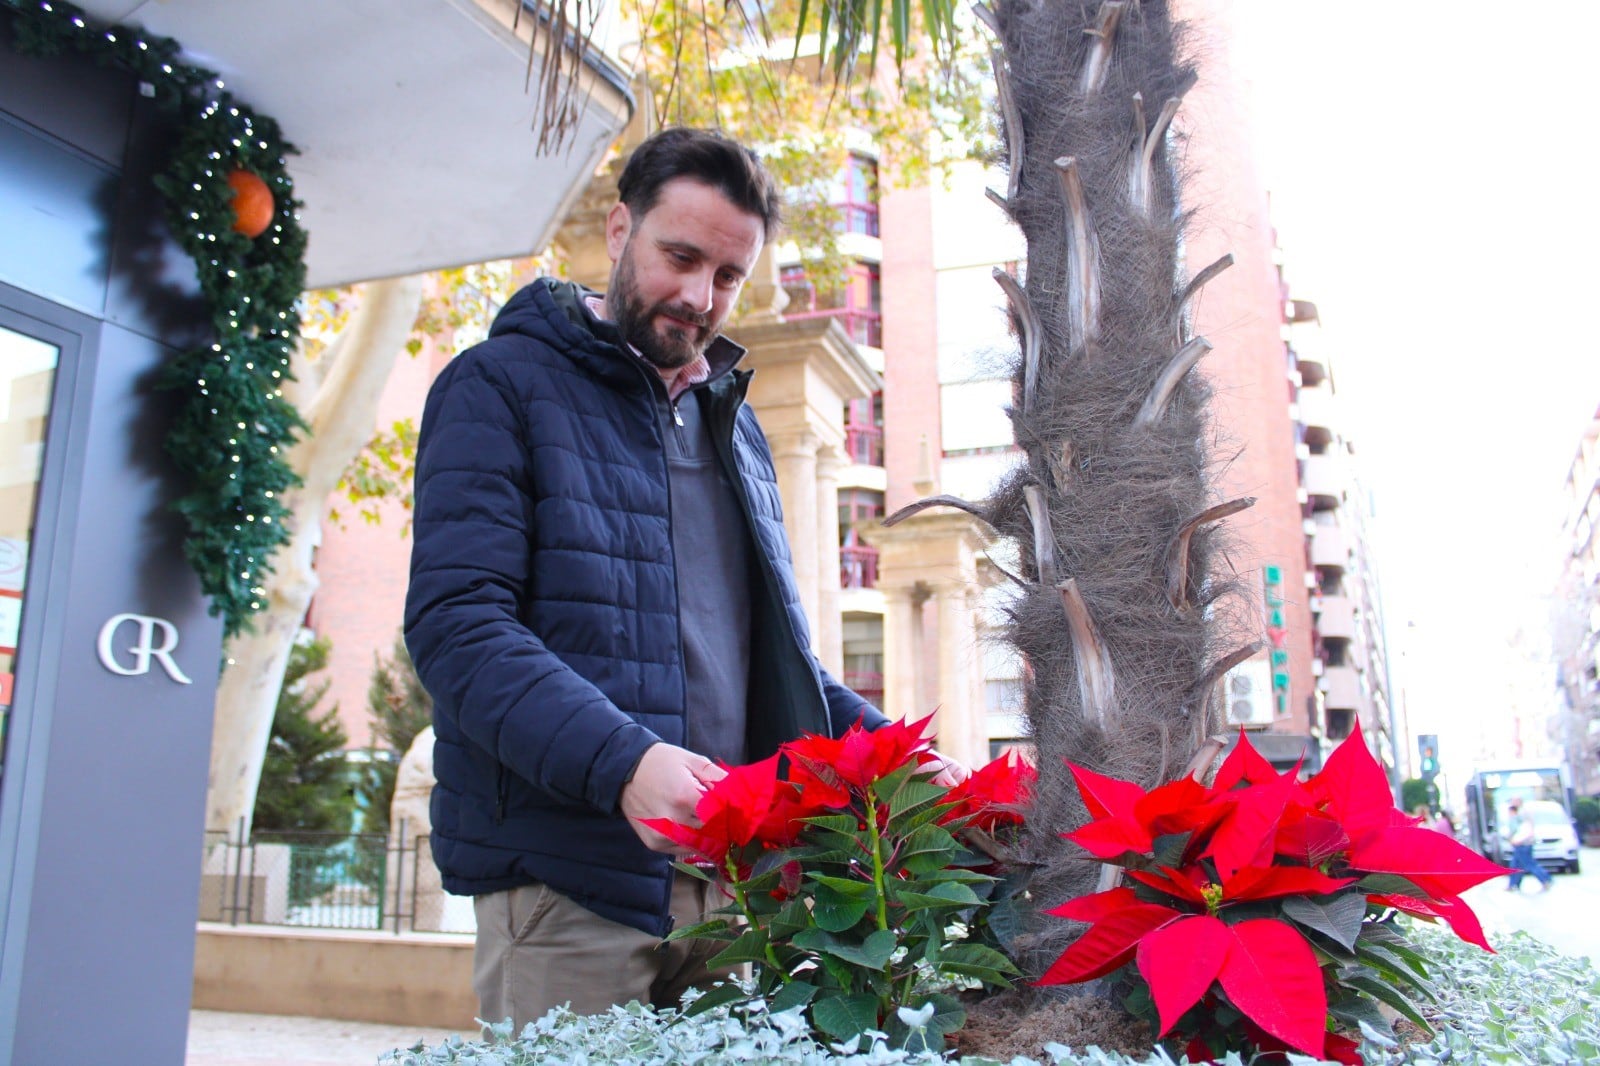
x: 863, y: 444
x: 869, y: 686
x: 858, y: 567
x: 864, y: 327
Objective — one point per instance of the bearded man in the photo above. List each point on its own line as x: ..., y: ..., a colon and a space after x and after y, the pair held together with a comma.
x: 602, y: 603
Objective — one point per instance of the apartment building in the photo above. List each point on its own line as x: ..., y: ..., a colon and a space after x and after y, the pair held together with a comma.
x: 1348, y: 636
x: 1576, y: 624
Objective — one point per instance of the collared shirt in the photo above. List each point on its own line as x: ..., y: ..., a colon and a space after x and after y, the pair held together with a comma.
x: 677, y: 381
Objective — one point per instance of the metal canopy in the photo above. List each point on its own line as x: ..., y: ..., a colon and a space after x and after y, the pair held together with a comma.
x: 413, y: 120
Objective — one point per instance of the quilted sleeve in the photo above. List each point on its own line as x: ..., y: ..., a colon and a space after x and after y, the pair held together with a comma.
x: 491, y: 677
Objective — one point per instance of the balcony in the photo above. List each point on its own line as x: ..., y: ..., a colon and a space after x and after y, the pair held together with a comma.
x: 858, y: 567
x: 864, y: 327
x: 1318, y: 412
x: 1336, y: 617
x: 1341, y: 689
x: 863, y: 444
x: 1323, y: 479
x: 1313, y: 371
x: 868, y: 686
x: 1330, y: 548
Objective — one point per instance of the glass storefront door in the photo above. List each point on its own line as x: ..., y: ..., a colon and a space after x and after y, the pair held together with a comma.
x: 27, y: 376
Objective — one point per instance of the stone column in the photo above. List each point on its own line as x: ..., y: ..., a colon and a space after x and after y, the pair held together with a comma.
x: 963, y: 736
x: 794, y: 454
x: 828, y: 623
x: 902, y: 640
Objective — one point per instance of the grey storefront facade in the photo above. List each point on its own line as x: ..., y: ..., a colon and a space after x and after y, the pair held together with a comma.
x: 109, y: 659
x: 106, y: 743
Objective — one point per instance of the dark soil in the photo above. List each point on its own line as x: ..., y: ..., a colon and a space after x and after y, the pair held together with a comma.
x: 1021, y: 1022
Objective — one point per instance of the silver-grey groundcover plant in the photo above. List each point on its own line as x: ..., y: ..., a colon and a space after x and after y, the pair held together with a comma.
x: 1525, y: 1005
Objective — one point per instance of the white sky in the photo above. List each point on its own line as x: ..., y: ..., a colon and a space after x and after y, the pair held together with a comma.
x: 1433, y: 177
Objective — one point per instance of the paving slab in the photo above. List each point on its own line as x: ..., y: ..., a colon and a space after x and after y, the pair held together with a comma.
x: 225, y: 1038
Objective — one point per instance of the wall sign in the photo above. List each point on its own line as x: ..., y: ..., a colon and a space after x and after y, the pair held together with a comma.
x: 144, y: 649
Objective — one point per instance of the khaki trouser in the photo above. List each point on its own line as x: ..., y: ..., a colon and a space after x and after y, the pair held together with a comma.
x: 537, y: 949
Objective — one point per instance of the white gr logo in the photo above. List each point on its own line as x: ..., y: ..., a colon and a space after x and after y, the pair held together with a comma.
x: 144, y: 649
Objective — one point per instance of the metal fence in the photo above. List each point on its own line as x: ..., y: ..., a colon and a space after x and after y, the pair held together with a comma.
x: 327, y: 881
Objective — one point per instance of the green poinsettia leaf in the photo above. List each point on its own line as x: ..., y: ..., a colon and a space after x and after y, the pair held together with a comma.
x: 790, y: 919
x: 836, y: 916
x: 1168, y: 850
x: 698, y: 872
x: 1005, y: 919
x: 1389, y: 885
x: 842, y: 1016
x: 1379, y: 958
x: 931, y: 848
x: 716, y: 929
x: 1398, y: 952
x: 750, y: 947
x: 966, y: 877
x: 871, y: 954
x: 1353, y: 1009
x: 912, y: 795
x: 792, y: 995
x: 1338, y: 918
x: 975, y: 955
x: 847, y: 888
x: 1387, y: 993
x: 715, y: 997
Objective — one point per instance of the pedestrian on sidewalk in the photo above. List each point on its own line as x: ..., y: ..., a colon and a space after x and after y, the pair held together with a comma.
x: 1522, y: 860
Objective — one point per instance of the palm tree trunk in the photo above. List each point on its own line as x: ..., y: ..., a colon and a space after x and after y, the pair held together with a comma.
x: 1113, y: 508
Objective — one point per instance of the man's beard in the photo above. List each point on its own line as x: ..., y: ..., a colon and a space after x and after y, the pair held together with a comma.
x: 671, y: 349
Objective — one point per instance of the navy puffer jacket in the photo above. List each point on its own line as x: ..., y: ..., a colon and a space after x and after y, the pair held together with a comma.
x: 542, y: 612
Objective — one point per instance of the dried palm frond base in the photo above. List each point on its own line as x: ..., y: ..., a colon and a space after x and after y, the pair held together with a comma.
x: 1023, y: 1021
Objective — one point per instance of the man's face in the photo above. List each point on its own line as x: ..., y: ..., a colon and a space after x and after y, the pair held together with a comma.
x: 677, y: 270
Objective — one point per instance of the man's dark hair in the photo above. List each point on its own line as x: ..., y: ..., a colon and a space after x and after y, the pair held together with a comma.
x: 705, y: 156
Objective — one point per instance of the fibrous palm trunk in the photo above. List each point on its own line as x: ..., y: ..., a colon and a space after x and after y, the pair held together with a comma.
x: 1113, y: 508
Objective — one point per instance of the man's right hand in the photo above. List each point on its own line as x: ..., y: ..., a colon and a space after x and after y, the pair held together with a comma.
x: 666, y: 784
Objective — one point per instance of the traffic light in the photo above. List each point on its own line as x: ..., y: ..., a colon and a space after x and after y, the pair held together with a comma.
x: 1428, y: 749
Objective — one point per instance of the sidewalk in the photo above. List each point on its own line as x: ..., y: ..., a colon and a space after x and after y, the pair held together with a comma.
x: 219, y: 1038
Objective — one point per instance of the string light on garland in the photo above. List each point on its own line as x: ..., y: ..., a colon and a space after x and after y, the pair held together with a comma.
x: 226, y: 187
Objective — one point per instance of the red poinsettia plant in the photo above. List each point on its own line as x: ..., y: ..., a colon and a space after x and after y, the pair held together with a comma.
x: 852, y: 887
x: 1259, y: 912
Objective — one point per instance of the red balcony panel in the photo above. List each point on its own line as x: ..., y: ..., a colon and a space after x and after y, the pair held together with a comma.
x: 858, y: 567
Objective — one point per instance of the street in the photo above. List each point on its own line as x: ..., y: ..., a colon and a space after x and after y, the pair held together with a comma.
x: 1563, y: 917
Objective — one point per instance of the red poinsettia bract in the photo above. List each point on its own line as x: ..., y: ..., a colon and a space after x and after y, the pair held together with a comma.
x: 1254, y: 837
x: 993, y: 795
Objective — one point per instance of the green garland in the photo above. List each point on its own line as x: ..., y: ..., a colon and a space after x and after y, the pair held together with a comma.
x: 234, y: 426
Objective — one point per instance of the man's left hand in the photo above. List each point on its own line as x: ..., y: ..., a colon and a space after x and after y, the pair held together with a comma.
x: 950, y: 772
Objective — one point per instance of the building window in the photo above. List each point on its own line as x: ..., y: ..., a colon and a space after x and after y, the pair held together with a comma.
x: 860, y: 204
x: 863, y: 430
x: 864, y: 674
x: 858, y: 562
x: 858, y: 304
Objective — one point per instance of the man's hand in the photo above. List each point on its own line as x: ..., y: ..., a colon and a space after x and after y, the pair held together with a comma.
x: 951, y: 773
x: 666, y: 784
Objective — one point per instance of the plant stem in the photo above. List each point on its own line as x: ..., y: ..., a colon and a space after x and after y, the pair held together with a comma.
x: 877, y: 859
x: 740, y: 898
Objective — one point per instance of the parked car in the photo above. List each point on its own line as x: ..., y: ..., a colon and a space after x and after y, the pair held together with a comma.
x: 1556, y: 841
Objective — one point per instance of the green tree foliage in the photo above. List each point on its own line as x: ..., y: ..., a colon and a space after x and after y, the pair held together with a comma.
x: 1586, y: 812
x: 766, y: 85
x: 400, y: 708
x: 1414, y: 793
x: 305, y: 780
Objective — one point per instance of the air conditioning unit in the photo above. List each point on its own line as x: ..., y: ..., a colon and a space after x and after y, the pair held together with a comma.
x: 1247, y: 689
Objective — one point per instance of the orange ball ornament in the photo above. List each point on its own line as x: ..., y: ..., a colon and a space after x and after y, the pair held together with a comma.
x: 252, y: 203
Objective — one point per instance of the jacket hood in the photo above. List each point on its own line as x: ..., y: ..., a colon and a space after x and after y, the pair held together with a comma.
x: 557, y: 313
